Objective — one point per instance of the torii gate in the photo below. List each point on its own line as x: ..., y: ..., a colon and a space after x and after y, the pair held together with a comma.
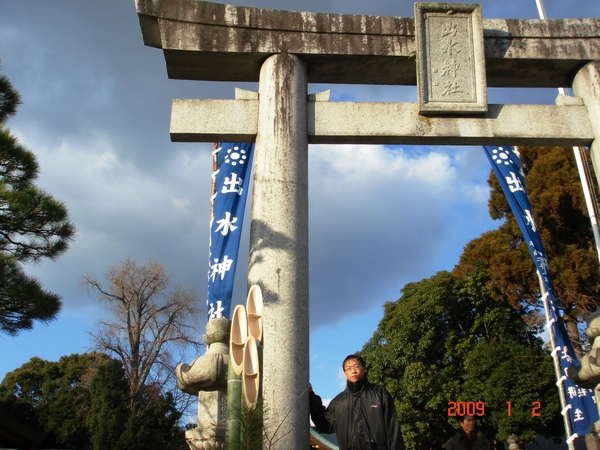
x: 284, y: 51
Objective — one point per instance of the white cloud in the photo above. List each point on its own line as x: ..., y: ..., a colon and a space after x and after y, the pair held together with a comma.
x: 381, y: 217
x: 96, y: 112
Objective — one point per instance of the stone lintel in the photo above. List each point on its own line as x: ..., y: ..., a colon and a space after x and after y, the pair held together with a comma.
x: 388, y: 123
x: 216, y: 42
x: 211, y: 120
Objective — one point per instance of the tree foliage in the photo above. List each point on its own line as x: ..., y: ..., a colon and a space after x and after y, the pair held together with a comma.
x: 447, y: 340
x: 33, y: 226
x: 561, y: 215
x: 9, y: 99
x: 472, y: 335
x: 82, y: 401
x: 150, y: 321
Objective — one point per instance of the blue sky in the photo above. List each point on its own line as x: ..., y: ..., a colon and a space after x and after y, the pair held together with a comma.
x: 96, y: 107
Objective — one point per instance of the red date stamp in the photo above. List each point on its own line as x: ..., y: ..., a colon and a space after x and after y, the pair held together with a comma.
x: 466, y: 409
x: 476, y: 409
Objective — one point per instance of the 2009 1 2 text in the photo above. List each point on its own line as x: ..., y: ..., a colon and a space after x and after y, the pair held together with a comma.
x: 478, y: 409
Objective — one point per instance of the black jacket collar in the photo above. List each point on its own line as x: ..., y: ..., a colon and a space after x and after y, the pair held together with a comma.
x: 358, y: 386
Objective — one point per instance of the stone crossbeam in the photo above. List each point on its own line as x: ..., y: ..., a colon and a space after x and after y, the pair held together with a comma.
x: 284, y: 51
x: 216, y: 42
x: 196, y: 120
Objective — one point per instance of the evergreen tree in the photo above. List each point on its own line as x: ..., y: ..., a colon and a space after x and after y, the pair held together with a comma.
x: 33, y: 226
x: 561, y: 216
x: 447, y: 340
x: 82, y: 401
x: 58, y: 394
x: 109, y: 414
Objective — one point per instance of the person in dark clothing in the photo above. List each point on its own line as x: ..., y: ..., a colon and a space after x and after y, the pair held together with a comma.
x: 468, y: 438
x: 363, y: 416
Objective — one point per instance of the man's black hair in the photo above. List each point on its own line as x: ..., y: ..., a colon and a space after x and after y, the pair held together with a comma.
x: 358, y: 357
x: 461, y: 419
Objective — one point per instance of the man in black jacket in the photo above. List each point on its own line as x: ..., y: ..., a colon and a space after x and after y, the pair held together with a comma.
x: 363, y: 416
x: 468, y: 437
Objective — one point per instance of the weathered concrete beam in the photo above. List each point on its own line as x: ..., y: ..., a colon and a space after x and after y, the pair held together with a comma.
x: 587, y: 87
x: 216, y: 42
x: 388, y: 123
x: 214, y: 120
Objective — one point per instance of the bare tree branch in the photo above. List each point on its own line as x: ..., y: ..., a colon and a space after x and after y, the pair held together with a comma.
x: 152, y: 323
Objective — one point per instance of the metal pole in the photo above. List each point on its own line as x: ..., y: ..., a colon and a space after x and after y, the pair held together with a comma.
x: 577, y: 151
x: 591, y: 206
x: 592, y: 213
x: 559, y: 376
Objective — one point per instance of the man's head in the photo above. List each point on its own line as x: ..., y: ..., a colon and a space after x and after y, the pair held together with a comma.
x: 354, y: 368
x: 467, y: 423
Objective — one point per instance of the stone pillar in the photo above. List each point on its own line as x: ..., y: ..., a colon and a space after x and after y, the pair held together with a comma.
x: 279, y: 248
x: 513, y: 442
x: 586, y: 86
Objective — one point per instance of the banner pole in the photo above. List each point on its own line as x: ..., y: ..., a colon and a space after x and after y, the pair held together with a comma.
x: 577, y: 151
x: 560, y: 378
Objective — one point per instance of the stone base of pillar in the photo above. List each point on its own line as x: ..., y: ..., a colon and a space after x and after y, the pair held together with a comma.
x: 212, y: 415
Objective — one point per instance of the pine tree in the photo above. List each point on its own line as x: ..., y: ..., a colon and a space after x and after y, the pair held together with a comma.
x: 33, y: 226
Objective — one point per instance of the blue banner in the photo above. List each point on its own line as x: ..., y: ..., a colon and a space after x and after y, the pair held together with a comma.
x: 581, y: 403
x: 231, y: 179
